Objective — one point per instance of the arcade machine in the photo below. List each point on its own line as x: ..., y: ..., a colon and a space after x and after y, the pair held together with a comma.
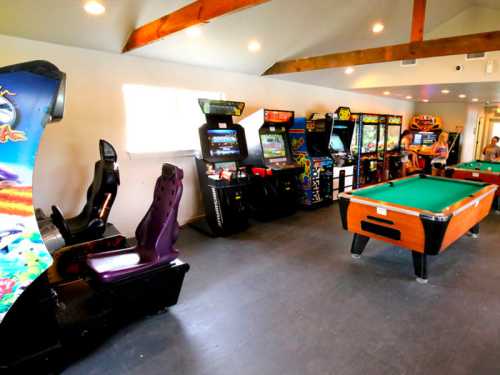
x: 389, y: 148
x: 342, y: 130
x: 223, y: 180
x: 275, y: 191
x: 426, y: 130
x: 365, y: 148
x: 38, y: 320
x: 309, y: 141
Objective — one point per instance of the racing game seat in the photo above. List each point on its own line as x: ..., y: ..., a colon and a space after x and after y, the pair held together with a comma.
x: 91, y: 222
x: 155, y: 236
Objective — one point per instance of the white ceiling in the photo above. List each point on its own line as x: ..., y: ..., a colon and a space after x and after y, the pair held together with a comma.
x: 485, y: 92
x: 285, y: 28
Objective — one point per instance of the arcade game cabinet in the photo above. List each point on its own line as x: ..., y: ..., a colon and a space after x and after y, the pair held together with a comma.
x: 36, y: 318
x: 390, y: 146
x: 223, y: 180
x: 92, y: 222
x: 309, y: 141
x: 365, y: 148
x: 275, y: 190
x: 342, y: 131
x: 426, y: 130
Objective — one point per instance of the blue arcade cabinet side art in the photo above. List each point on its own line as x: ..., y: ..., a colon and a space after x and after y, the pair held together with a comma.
x: 309, y: 142
x: 31, y: 94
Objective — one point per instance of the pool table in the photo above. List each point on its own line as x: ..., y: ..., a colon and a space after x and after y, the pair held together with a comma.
x: 478, y: 170
x: 421, y: 213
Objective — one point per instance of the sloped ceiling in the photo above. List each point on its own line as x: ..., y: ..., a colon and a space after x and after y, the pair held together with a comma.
x: 285, y: 28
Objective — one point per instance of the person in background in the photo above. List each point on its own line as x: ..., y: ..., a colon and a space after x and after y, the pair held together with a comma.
x: 441, y: 152
x: 412, y: 157
x: 492, y: 151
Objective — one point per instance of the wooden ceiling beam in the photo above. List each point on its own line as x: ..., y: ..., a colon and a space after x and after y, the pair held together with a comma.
x: 457, y: 45
x: 418, y: 21
x: 200, y: 11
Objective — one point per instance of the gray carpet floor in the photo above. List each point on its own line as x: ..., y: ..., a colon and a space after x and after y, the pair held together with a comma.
x: 285, y: 297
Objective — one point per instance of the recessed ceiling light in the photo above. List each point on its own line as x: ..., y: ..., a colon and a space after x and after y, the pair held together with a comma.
x: 445, y: 91
x: 349, y: 70
x: 94, y: 7
x: 194, y: 31
x: 425, y: 100
x: 387, y: 93
x: 409, y: 97
x: 378, y: 27
x: 475, y: 99
x: 462, y: 96
x: 254, y: 46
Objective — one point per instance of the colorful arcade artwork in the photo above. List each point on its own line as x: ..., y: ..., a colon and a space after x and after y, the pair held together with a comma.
x: 28, y: 96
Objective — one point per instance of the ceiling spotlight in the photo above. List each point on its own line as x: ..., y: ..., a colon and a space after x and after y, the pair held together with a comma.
x: 194, y: 31
x: 475, y: 100
x: 377, y: 27
x: 94, y: 7
x: 349, y: 70
x: 409, y: 97
x: 254, y: 46
x: 425, y: 100
x: 462, y: 96
x: 445, y: 91
x: 387, y: 93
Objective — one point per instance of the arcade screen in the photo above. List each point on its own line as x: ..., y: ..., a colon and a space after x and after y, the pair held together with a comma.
x: 369, y: 138
x: 336, y: 144
x: 223, y: 142
x: 428, y: 138
x: 381, y: 137
x: 393, y: 137
x: 417, y: 139
x: 273, y: 145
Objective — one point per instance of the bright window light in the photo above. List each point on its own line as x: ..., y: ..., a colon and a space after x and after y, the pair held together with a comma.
x: 163, y: 119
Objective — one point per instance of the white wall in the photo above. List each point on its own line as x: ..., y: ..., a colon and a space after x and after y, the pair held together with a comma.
x: 95, y: 109
x: 456, y: 116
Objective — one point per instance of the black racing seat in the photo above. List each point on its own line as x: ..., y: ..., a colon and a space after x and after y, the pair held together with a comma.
x: 91, y: 223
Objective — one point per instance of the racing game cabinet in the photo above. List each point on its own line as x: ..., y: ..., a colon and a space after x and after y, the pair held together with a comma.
x: 276, y: 190
x: 31, y: 95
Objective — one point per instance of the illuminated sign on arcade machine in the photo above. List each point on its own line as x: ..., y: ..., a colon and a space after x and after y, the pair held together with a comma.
x: 276, y: 188
x: 341, y: 138
x: 31, y: 94
x: 223, y: 180
x: 309, y: 141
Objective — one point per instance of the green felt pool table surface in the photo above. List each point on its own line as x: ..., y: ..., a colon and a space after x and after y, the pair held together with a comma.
x: 425, y: 193
x: 481, y: 166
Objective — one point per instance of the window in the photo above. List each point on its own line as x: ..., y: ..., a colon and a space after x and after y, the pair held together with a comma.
x: 163, y: 119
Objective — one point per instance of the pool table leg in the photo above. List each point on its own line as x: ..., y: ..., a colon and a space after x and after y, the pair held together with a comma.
x: 496, y: 204
x: 420, y: 266
x: 474, y: 231
x: 358, y: 245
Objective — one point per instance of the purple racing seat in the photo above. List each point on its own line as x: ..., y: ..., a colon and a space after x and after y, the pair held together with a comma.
x: 155, y: 235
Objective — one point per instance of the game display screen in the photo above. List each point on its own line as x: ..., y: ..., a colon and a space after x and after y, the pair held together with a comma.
x: 417, y: 139
x: 223, y: 142
x: 381, y: 137
x: 393, y: 137
x: 336, y: 144
x: 369, y: 138
x: 273, y: 145
x: 428, y: 139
